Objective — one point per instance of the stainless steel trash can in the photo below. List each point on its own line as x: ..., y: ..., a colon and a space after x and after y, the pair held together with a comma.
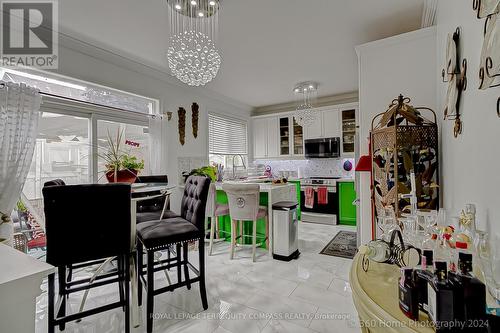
x: 285, y: 231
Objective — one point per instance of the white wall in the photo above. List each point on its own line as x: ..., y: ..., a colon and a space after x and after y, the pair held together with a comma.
x: 470, y: 163
x: 403, y: 64
x: 86, y: 62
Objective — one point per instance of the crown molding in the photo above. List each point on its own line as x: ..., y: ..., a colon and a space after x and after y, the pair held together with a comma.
x: 397, y: 39
x: 337, y: 99
x: 92, y: 48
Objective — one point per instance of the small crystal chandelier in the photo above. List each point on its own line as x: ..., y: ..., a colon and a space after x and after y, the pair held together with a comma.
x: 304, y: 114
x: 192, y: 55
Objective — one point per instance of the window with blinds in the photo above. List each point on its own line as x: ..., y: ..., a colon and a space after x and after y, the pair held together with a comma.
x: 226, y: 136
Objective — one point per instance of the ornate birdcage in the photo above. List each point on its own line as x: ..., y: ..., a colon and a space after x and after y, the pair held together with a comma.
x: 404, y: 140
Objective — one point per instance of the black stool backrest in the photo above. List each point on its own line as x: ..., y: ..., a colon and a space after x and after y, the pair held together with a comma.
x: 86, y: 222
x: 155, y: 204
x: 194, y: 200
x: 54, y: 182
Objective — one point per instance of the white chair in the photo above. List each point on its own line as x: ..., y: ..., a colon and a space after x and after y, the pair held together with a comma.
x: 214, y: 210
x: 244, y: 207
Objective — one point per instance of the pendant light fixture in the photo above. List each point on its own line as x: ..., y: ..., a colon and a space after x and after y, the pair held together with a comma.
x: 192, y: 55
x: 306, y: 92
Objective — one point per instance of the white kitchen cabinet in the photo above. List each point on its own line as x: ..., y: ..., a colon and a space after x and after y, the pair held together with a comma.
x: 331, y: 124
x: 272, y: 136
x: 314, y: 130
x: 291, y: 137
x: 325, y: 125
x: 260, y: 134
x: 265, y: 137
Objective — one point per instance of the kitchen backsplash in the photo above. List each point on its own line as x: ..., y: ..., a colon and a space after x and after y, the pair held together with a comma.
x: 311, y: 168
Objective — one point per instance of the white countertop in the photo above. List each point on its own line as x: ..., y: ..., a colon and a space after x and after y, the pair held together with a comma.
x: 264, y: 187
x: 16, y: 265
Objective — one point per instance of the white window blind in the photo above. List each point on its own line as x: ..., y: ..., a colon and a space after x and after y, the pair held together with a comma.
x: 226, y: 136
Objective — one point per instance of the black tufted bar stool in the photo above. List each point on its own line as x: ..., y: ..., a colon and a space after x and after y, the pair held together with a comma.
x: 156, y: 208
x: 160, y: 235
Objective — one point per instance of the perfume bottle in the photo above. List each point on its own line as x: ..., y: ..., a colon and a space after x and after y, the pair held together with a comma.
x: 473, y: 295
x: 441, y: 298
x: 408, y: 294
x: 422, y: 277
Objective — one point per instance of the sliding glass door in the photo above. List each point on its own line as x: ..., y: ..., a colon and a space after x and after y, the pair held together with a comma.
x: 62, y: 151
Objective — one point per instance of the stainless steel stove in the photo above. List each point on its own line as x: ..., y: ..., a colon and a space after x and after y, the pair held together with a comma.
x: 320, y: 213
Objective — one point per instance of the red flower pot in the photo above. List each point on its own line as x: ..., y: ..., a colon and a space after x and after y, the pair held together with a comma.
x: 122, y: 176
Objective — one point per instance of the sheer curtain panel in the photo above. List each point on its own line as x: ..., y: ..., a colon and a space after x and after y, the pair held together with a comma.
x: 19, y: 116
x: 158, y: 144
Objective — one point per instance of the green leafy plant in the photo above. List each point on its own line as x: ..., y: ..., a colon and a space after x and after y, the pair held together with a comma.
x: 21, y: 207
x: 207, y: 171
x: 116, y: 158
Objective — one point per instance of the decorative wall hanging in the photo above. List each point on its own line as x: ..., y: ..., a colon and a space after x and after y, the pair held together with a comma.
x: 403, y: 140
x: 182, y: 125
x: 169, y: 115
x: 489, y: 71
x: 194, y: 118
x: 455, y: 74
x: 485, y: 7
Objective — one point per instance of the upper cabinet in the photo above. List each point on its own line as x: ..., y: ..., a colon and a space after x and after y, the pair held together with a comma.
x: 265, y: 138
x: 348, y: 130
x: 291, y: 137
x: 279, y: 135
x: 325, y: 125
x: 260, y: 134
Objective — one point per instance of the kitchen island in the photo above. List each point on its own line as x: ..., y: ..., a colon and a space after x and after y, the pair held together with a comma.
x: 269, y: 195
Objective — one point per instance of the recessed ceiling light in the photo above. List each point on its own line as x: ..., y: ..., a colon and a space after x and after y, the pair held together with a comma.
x: 200, y: 14
x: 193, y: 3
x: 212, y: 3
x: 178, y: 7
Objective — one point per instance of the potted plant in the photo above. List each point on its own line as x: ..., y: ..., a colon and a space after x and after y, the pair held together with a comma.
x: 121, y: 166
x: 207, y: 171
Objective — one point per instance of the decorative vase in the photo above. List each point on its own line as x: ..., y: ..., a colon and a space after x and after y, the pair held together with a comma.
x: 122, y: 176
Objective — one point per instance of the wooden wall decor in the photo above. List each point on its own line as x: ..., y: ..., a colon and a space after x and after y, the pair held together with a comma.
x: 182, y: 125
x: 489, y: 71
x: 195, y: 110
x: 455, y: 74
x: 403, y: 140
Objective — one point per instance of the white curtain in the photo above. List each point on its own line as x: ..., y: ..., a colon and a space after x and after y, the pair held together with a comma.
x: 158, y: 144
x: 19, y: 116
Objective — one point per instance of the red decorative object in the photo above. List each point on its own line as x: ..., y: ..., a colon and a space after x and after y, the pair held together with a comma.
x: 132, y: 143
x: 364, y: 163
x: 122, y: 176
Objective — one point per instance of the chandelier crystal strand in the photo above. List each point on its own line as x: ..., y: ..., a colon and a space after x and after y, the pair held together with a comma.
x: 306, y: 93
x: 192, y: 55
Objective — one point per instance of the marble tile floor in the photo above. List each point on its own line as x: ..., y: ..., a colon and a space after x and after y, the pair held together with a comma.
x: 311, y: 294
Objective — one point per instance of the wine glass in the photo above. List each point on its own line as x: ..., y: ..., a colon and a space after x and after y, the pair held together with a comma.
x: 387, y: 223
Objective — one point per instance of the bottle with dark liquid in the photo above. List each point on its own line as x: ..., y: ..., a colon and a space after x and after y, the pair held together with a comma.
x: 441, y: 299
x: 472, y: 311
x: 408, y: 296
x: 422, y: 277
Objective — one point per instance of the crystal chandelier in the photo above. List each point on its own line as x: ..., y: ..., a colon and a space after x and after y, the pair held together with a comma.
x: 192, y: 55
x: 306, y: 91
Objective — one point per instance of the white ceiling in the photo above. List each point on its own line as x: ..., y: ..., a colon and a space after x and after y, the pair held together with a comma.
x: 267, y: 45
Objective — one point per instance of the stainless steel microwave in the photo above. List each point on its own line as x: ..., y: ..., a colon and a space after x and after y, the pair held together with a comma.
x: 322, y: 148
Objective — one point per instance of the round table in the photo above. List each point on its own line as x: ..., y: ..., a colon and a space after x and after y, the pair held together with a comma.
x: 375, y: 295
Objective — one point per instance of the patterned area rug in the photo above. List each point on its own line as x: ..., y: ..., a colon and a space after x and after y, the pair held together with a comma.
x: 342, y: 245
